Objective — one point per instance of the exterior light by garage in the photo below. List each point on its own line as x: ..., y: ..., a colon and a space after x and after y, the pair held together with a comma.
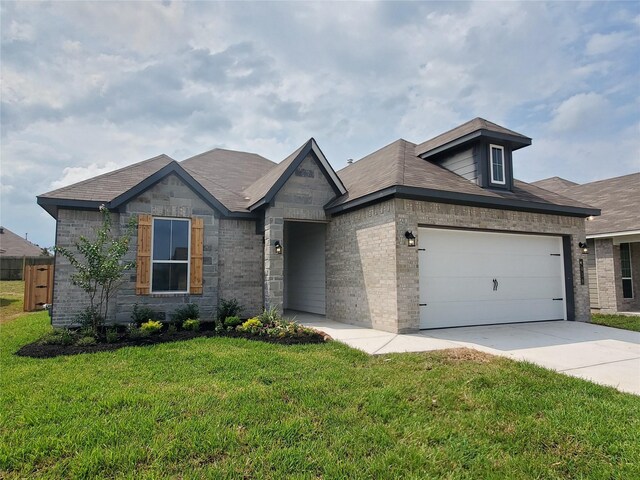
x: 411, y: 238
x: 278, y: 247
x: 583, y: 246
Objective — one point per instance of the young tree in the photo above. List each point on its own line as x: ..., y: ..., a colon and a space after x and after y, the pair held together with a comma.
x: 99, y: 266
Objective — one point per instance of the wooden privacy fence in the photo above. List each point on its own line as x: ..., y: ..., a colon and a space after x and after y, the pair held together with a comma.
x: 38, y: 286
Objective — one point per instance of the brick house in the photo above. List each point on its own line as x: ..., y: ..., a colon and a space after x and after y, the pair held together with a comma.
x: 411, y: 236
x: 613, y: 239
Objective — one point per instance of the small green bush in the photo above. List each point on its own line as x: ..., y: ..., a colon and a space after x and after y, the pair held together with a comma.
x: 228, y: 308
x: 133, y: 331
x: 252, y: 325
x: 269, y: 316
x: 86, y: 341
x: 185, y: 313
x: 59, y: 336
x: 232, y: 322
x: 150, y: 327
x: 191, y: 324
x: 172, y: 328
x: 112, y: 335
x: 141, y: 314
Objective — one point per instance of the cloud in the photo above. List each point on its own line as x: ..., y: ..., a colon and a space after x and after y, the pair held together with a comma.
x: 582, y: 112
x: 600, y: 44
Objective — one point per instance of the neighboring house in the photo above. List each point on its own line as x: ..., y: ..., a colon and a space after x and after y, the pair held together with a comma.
x: 15, y: 251
x: 613, y: 239
x: 411, y: 236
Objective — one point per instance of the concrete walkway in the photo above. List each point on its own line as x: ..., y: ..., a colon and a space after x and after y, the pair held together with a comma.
x: 604, y: 355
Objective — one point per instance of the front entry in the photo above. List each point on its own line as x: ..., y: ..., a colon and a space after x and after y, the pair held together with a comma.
x: 304, y: 267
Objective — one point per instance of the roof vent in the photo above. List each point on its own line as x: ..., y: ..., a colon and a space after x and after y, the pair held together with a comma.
x: 349, y: 161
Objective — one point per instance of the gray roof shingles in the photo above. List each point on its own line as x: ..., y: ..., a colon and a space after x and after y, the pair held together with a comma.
x: 618, y: 198
x: 12, y: 245
x: 239, y: 179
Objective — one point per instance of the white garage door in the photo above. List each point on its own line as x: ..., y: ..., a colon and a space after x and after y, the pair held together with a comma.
x: 480, y: 278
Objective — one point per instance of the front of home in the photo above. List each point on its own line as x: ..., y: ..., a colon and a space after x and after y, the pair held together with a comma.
x: 412, y: 236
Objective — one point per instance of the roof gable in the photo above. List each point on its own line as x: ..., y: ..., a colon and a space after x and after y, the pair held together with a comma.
x: 264, y: 190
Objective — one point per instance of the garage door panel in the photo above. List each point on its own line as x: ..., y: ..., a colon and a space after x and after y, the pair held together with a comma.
x: 457, y: 271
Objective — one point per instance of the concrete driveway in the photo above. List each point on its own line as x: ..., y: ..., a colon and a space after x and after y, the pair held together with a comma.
x: 604, y: 355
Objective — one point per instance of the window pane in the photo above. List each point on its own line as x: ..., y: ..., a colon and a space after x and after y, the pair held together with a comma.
x: 498, y: 165
x: 625, y: 260
x: 161, y: 239
x: 169, y: 277
x: 627, y: 289
x: 179, y: 240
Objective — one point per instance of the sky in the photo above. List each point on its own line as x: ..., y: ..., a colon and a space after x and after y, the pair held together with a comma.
x: 90, y: 87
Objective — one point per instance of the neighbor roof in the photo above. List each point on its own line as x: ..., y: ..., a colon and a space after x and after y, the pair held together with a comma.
x: 469, y: 131
x: 12, y: 245
x: 618, y: 198
x: 396, y: 170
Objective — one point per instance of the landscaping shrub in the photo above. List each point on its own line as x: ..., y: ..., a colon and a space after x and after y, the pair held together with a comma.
x: 182, y: 314
x: 191, y: 324
x: 111, y: 335
x: 89, y: 319
x: 150, y: 327
x: 86, y: 341
x: 59, y: 336
x: 171, y: 329
x: 252, y: 325
x: 228, y: 308
x: 269, y: 316
x: 232, y: 322
x: 141, y: 314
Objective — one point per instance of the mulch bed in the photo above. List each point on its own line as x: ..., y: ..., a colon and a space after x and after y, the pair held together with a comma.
x: 38, y: 350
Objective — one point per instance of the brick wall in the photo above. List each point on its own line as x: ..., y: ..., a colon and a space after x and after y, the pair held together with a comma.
x: 605, y: 271
x: 361, y: 267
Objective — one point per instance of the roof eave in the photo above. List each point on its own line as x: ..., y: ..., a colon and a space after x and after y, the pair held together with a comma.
x: 516, y: 141
x: 416, y: 193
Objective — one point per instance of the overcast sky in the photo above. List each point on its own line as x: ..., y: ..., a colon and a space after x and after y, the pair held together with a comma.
x: 90, y: 87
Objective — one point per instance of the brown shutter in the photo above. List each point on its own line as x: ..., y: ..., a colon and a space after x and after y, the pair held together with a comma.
x: 143, y: 261
x: 197, y: 241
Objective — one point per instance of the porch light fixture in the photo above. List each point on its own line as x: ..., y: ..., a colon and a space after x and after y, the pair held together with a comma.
x: 278, y: 246
x: 411, y: 238
x: 583, y: 246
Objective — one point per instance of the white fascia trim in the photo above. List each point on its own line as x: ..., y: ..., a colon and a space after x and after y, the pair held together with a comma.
x: 614, y: 234
x: 325, y: 164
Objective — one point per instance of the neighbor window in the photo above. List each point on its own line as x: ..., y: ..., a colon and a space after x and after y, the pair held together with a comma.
x: 170, y: 256
x: 625, y: 268
x: 497, y: 164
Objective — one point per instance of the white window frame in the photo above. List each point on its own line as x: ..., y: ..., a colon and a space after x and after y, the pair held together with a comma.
x: 187, y: 261
x: 504, y: 162
x: 630, y: 277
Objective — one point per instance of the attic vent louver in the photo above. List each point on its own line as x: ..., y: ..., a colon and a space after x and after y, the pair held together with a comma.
x: 349, y: 161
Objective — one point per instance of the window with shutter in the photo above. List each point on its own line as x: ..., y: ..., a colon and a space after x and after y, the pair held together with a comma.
x: 143, y: 258
x: 197, y: 247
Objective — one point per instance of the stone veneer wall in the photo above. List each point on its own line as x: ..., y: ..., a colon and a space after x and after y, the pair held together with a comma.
x: 361, y: 267
x: 301, y: 198
x: 232, y: 260
x: 69, y: 300
x: 411, y: 214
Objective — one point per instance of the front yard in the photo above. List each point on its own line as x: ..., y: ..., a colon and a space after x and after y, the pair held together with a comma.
x: 626, y: 322
x: 234, y: 408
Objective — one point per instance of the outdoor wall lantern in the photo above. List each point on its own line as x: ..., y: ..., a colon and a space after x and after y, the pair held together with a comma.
x: 278, y: 246
x: 583, y: 246
x: 411, y: 238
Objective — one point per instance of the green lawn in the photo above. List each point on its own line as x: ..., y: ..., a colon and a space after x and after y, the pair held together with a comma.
x: 232, y: 408
x: 11, y: 298
x: 627, y: 322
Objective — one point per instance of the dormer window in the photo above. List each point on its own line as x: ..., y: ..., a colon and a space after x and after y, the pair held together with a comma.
x: 497, y: 164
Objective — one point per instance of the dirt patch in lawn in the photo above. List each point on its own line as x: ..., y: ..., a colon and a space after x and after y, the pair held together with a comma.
x: 42, y: 350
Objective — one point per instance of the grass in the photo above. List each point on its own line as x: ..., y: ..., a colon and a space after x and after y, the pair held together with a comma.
x: 626, y: 322
x: 232, y: 408
x: 11, y: 299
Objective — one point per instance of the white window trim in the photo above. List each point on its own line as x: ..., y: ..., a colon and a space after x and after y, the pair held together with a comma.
x: 187, y: 261
x: 630, y: 277
x: 504, y: 161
